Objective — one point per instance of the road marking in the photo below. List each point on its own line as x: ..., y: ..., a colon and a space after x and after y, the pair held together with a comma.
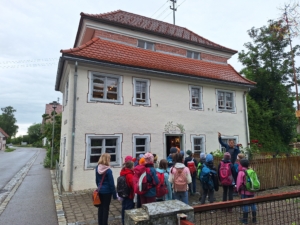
x: 12, y: 186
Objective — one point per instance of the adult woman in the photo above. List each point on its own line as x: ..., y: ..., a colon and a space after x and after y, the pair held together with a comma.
x: 105, y: 179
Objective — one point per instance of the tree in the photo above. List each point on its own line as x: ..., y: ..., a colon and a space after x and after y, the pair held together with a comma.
x: 35, y: 133
x: 8, y: 121
x: 267, y: 62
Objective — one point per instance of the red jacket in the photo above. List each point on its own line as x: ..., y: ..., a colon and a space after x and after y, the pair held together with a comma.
x: 129, y: 180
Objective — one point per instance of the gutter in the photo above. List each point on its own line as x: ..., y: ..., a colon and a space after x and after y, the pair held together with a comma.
x: 246, y: 117
x: 117, y: 66
x: 73, y: 128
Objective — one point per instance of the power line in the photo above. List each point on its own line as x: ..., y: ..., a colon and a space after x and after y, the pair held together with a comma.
x: 176, y: 9
x: 160, y: 8
x: 28, y: 61
x: 162, y: 13
x: 26, y: 65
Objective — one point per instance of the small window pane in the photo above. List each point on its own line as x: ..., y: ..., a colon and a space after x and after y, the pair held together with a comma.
x: 110, y: 150
x: 196, y: 55
x: 140, y: 149
x: 149, y: 46
x: 197, y: 141
x: 189, y: 54
x: 96, y: 142
x: 94, y: 158
x: 141, y: 44
x: 113, y: 158
x: 110, y: 142
x: 96, y: 150
x: 140, y: 141
x: 138, y: 95
x: 112, y: 96
x: 197, y: 148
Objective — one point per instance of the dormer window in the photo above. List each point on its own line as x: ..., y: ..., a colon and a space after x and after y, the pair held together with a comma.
x: 146, y: 45
x: 192, y: 55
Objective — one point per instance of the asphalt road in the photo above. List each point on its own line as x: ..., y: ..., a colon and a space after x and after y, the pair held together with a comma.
x: 33, y: 202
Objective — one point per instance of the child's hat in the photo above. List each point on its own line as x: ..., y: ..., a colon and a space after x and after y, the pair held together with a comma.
x: 189, y: 152
x: 202, y: 155
x: 209, y: 158
x: 227, y: 156
x: 128, y: 158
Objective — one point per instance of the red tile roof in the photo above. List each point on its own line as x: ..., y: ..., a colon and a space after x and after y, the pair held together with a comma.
x: 5, y: 134
x: 116, y: 53
x: 148, y: 24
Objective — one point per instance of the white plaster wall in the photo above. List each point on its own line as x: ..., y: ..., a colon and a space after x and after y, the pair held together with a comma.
x: 169, y: 102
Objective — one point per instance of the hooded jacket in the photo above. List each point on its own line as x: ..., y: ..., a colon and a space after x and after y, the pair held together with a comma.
x: 236, y: 150
x: 108, y: 185
x: 167, y: 183
x: 185, y: 170
x: 240, y: 183
x: 233, y: 171
x: 128, y: 173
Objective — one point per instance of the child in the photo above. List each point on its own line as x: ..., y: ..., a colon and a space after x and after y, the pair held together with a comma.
x: 199, y: 168
x: 192, y: 186
x: 163, y: 166
x: 237, y: 165
x: 240, y: 184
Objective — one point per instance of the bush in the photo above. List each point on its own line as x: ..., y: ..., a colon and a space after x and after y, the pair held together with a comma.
x: 47, y: 160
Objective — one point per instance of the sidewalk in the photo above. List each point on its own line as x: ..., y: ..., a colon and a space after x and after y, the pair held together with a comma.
x: 79, y: 210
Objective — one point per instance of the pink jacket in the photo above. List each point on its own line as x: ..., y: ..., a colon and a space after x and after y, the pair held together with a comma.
x: 240, y: 183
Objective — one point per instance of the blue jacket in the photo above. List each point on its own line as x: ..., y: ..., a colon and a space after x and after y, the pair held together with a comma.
x: 152, y: 179
x: 236, y: 150
x: 168, y: 184
x: 108, y: 185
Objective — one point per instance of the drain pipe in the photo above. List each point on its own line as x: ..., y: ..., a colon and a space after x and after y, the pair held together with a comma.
x: 73, y: 128
x: 246, y: 117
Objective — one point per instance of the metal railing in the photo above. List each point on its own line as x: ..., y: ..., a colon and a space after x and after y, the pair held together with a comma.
x: 58, y: 177
x: 272, y: 209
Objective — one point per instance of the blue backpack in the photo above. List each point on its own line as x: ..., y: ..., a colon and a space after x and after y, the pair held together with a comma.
x: 206, y: 177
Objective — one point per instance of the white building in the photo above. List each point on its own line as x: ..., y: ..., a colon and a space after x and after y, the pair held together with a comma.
x: 3, y: 137
x: 144, y: 85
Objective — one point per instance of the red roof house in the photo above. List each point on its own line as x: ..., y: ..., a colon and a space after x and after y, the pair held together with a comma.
x: 3, y: 137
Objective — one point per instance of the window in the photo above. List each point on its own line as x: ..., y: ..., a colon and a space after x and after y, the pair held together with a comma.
x: 66, y: 93
x: 141, y: 92
x: 195, y: 97
x: 225, y: 101
x: 225, y: 139
x: 198, y: 144
x: 100, y: 144
x: 105, y: 88
x: 141, y: 144
x: 146, y: 45
x: 192, y: 55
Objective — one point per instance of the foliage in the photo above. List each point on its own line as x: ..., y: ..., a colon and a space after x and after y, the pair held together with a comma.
x: 270, y: 105
x: 8, y: 121
x: 9, y: 149
x: 47, y: 132
x: 217, y: 153
x: 35, y: 133
x: 297, y: 178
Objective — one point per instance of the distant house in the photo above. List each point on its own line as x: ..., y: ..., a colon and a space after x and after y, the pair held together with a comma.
x: 3, y: 137
x: 144, y: 85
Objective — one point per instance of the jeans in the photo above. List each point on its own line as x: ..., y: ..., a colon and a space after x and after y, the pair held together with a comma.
x: 127, y: 203
x: 192, y: 186
x: 103, y: 209
x: 246, y: 207
x: 210, y: 193
x: 182, y: 196
x: 228, y: 189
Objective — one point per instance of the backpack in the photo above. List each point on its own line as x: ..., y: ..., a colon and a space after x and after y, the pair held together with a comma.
x: 199, y: 168
x: 161, y: 188
x: 122, y: 188
x: 192, y: 167
x: 140, y: 182
x: 170, y: 161
x: 252, y: 181
x: 206, y: 177
x: 180, y: 180
x: 226, y: 177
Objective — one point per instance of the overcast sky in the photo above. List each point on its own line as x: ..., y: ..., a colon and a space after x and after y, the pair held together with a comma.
x: 33, y: 32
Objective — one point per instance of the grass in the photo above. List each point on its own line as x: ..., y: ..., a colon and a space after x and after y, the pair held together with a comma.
x: 10, y: 149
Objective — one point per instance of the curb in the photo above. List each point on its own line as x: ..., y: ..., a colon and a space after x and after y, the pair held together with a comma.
x: 58, y: 203
x: 12, y: 186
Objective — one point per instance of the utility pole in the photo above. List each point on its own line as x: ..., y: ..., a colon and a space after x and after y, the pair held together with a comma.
x: 174, y: 9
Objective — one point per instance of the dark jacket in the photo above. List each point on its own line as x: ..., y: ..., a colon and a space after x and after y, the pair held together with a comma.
x: 128, y: 173
x: 108, y: 185
x: 236, y: 150
x: 187, y: 159
x: 152, y: 179
x: 233, y: 171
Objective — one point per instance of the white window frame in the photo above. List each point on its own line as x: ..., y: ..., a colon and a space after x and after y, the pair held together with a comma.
x: 145, y: 44
x: 147, y: 144
x: 66, y: 95
x: 88, y: 138
x: 200, y: 97
x: 233, y: 100
x: 148, y: 101
x: 119, y: 99
x: 203, y: 143
x: 193, y: 54
x: 227, y: 138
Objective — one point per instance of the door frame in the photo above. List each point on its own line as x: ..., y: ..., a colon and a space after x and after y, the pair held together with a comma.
x: 182, y: 142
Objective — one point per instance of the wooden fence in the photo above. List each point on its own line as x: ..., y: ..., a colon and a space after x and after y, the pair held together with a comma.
x: 274, y: 172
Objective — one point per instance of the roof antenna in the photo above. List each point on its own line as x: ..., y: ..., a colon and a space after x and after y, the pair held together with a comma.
x: 174, y: 9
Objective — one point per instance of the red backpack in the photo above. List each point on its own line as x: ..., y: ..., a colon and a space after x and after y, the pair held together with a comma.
x: 140, y: 182
x: 192, y: 167
x: 161, y: 188
x: 225, y: 174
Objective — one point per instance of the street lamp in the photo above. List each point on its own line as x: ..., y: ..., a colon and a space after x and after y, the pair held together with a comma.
x: 54, y: 106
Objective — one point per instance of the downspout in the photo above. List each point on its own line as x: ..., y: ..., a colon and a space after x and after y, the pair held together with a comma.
x: 73, y: 128
x: 246, y: 117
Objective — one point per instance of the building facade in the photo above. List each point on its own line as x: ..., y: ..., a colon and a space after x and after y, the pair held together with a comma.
x: 3, y: 137
x: 132, y: 84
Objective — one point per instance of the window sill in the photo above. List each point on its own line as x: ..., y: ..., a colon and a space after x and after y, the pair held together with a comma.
x: 104, y: 101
